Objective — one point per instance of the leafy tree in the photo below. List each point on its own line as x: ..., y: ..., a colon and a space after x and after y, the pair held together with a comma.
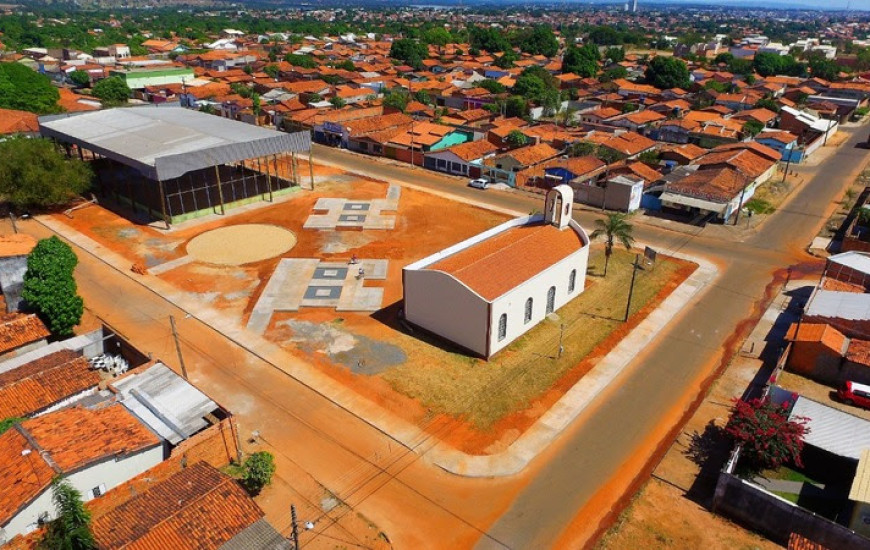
x: 337, y: 102
x: 346, y: 65
x: 248, y: 70
x: 725, y: 58
x: 824, y: 68
x: 437, y: 36
x: 26, y: 90
x: 256, y: 106
x: 488, y: 38
x: 112, y: 91
x: 741, y: 66
x: 539, y: 40
x: 752, y: 128
x: 506, y: 60
x: 33, y: 174
x: 581, y: 61
x: 493, y: 86
x: 80, y: 79
x: 516, y: 106
x: 767, y: 103
x: 71, y: 529
x: 271, y: 70
x: 614, y: 73
x: 771, y: 64
x: 7, y: 423
x: 614, y: 227
x: 423, y: 97
x: 409, y: 52
x: 615, y: 55
x: 304, y: 61
x: 650, y: 157
x: 257, y: 471
x: 667, y: 72
x: 604, y: 36
x: 768, y: 438
x: 515, y: 138
x: 583, y: 149
x: 49, y: 287
x: 534, y: 82
x: 629, y: 107
x: 396, y: 100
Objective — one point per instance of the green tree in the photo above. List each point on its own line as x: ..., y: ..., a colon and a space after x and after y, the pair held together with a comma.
x: 271, y: 70
x: 614, y: 227
x: 304, y: 61
x: 71, y: 529
x: 516, y: 106
x: 396, y: 99
x: 423, y: 97
x: 337, y: 102
x: 256, y: 106
x: 26, y: 90
x: 583, y: 149
x: 581, y: 61
x: 7, y: 423
x: 346, y: 65
x: 409, y: 52
x: 615, y: 55
x: 821, y: 67
x: 752, y: 128
x: 768, y: 104
x: 539, y: 40
x: 80, y: 79
x: 437, y: 36
x: 493, y: 86
x: 33, y: 174
x: 488, y: 38
x: 614, y: 73
x: 767, y: 436
x: 604, y: 36
x: 534, y: 82
x: 506, y: 60
x: 257, y: 471
x: 112, y: 91
x: 515, y: 138
x: 667, y: 72
x: 50, y: 288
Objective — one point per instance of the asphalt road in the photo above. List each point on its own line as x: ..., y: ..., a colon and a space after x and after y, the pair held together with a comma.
x: 666, y: 378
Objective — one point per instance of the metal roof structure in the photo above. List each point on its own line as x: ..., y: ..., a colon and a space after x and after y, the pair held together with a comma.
x: 853, y: 259
x: 167, y: 142
x: 166, y: 402
x: 260, y: 535
x: 839, y: 305
x: 832, y: 430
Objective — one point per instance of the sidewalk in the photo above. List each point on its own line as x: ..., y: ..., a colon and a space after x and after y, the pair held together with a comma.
x: 511, y: 461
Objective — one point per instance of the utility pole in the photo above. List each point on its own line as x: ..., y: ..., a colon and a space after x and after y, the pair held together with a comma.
x: 561, y: 336
x: 634, y: 269
x: 12, y: 219
x: 295, y: 526
x: 787, y: 164
x: 178, y: 347
x: 740, y: 205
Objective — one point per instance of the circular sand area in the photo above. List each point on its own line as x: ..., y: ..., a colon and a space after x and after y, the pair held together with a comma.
x: 241, y: 244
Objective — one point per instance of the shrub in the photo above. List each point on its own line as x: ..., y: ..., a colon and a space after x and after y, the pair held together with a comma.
x: 257, y: 471
x: 768, y: 438
x: 49, y: 287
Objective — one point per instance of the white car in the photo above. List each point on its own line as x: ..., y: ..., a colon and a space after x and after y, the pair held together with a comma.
x: 479, y: 183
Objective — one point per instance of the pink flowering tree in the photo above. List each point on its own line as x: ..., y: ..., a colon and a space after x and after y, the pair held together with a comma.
x: 769, y: 439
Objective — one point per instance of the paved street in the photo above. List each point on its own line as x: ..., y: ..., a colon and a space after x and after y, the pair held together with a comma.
x: 561, y: 498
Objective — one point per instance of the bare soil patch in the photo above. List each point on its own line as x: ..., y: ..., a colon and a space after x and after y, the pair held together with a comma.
x: 241, y: 244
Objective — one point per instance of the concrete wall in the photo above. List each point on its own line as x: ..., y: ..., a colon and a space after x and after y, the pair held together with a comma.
x: 815, y: 360
x: 777, y: 518
x: 514, y: 303
x: 437, y: 302
x: 110, y: 473
x: 12, y: 271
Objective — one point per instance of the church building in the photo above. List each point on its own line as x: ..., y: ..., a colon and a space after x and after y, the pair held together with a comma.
x: 486, y: 291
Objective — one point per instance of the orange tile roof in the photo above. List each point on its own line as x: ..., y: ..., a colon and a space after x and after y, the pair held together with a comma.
x: 363, y: 126
x: 19, y: 329
x: 500, y: 263
x: 533, y: 154
x: 715, y: 184
x: 799, y: 542
x: 471, y: 150
x: 746, y: 161
x: 23, y: 477
x: 16, y: 244
x: 858, y: 352
x: 39, y: 384
x: 15, y: 122
x: 69, y: 101
x: 198, y: 508
x: 75, y: 437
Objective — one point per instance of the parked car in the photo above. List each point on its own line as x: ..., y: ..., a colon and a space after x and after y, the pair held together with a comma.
x: 853, y: 393
x: 479, y: 183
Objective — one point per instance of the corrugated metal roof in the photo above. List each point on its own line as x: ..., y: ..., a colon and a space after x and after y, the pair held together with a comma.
x: 167, y: 142
x: 832, y: 430
x: 260, y: 535
x: 860, y: 491
x: 839, y: 305
x: 853, y: 259
x: 166, y: 402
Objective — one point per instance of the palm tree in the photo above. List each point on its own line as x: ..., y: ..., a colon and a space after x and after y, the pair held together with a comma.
x: 614, y: 227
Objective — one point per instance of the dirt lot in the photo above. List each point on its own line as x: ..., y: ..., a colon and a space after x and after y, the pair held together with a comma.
x: 421, y: 379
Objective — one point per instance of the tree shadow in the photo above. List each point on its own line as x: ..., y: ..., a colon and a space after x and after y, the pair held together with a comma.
x: 708, y: 450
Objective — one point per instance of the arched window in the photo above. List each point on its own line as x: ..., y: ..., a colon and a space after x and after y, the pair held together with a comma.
x: 551, y: 300
x: 502, y: 326
x: 572, y: 281
x: 529, y: 304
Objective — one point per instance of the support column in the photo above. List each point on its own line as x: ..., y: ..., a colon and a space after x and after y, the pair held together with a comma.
x: 311, y: 169
x: 217, y: 174
x: 163, y: 203
x: 269, y: 180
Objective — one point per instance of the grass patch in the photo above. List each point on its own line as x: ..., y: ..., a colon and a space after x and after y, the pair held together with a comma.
x: 787, y: 474
x: 483, y: 392
x: 760, y: 206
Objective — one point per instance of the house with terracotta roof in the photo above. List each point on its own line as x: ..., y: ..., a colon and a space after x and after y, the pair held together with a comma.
x: 58, y: 377
x: 781, y: 141
x: 20, y: 333
x: 483, y: 293
x: 95, y: 450
x: 18, y: 122
x: 197, y: 508
x: 459, y: 159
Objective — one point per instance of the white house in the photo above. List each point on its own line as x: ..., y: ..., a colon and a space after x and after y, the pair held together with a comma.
x: 486, y: 291
x: 95, y: 450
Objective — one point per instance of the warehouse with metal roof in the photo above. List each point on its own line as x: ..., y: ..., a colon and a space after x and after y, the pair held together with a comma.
x: 173, y: 163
